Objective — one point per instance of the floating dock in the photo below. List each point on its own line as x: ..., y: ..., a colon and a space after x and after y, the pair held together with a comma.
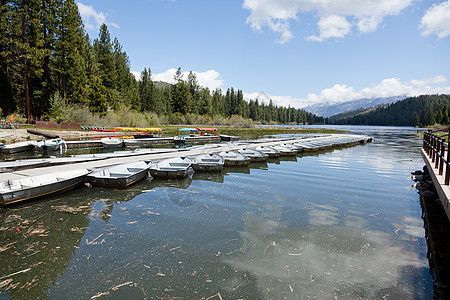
x: 310, y: 142
x: 146, y: 141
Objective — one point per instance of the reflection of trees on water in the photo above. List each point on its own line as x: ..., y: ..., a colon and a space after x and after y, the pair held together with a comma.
x: 279, y: 159
x: 181, y: 183
x: 176, y: 190
x: 209, y: 176
x: 37, y: 242
x: 236, y: 169
x: 258, y: 165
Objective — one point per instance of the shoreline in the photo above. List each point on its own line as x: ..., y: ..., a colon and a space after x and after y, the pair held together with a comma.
x: 9, y: 136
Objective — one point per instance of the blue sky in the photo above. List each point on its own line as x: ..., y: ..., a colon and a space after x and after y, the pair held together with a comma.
x: 298, y: 52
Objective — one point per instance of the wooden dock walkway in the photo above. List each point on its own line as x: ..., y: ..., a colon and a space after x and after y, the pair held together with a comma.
x: 436, y: 156
x: 159, y: 156
x: 97, y: 143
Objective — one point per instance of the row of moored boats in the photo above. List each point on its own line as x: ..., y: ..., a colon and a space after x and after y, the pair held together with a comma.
x: 123, y: 175
x: 45, y: 145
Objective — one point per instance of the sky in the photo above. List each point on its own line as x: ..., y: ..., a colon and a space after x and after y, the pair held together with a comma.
x: 296, y: 52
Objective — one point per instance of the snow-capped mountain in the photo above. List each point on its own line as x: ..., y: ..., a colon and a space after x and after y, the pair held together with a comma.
x: 328, y: 110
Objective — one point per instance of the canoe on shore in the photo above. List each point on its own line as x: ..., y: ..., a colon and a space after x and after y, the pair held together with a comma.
x: 31, y: 187
x: 119, y: 176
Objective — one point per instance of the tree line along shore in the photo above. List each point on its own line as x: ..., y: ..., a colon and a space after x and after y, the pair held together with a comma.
x: 52, y: 70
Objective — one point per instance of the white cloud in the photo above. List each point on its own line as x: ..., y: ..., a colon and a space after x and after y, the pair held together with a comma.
x: 166, y: 76
x: 336, y: 18
x: 271, y: 14
x: 436, y: 20
x: 88, y: 12
x: 332, y: 26
x: 210, y: 79
x: 390, y: 87
x: 136, y: 75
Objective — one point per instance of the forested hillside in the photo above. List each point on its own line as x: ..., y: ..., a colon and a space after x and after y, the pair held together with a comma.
x: 49, y: 62
x: 415, y: 111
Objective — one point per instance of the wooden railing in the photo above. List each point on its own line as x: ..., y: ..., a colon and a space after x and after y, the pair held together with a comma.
x: 436, y: 149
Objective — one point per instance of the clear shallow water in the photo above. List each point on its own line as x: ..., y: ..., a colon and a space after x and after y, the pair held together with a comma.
x: 343, y: 223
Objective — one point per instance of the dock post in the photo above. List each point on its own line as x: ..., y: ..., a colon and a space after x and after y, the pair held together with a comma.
x: 433, y: 147
x: 442, y: 160
x: 440, y: 145
x: 447, y: 167
x: 426, y: 142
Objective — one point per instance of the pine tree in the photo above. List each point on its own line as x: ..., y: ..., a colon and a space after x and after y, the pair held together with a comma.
x: 205, y: 102
x: 98, y: 102
x: 7, y: 101
x: 105, y: 59
x: 416, y: 120
x: 69, y: 53
x: 146, y: 91
x: 445, y: 119
x: 181, y: 96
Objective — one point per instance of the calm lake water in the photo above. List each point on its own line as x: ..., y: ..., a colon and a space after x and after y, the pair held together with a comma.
x: 341, y: 224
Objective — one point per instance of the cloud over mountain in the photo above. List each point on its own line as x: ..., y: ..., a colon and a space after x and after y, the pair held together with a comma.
x: 390, y: 87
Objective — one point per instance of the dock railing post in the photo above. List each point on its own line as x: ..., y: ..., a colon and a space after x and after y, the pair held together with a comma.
x: 442, y: 157
x: 433, y: 147
x: 438, y: 152
x: 425, y: 142
x: 447, y: 162
x: 436, y: 149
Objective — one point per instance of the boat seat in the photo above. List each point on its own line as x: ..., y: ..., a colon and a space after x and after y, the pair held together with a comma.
x: 213, y: 160
x: 134, y: 170
x: 119, y: 174
x: 179, y: 164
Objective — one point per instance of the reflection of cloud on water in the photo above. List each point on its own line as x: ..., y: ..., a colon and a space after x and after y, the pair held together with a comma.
x: 323, y: 215
x: 411, y: 226
x: 324, y: 261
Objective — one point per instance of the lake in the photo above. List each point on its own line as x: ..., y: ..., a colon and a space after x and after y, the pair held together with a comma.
x: 340, y: 224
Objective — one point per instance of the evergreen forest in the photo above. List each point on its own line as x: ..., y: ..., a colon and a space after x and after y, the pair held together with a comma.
x: 419, y: 111
x: 49, y: 66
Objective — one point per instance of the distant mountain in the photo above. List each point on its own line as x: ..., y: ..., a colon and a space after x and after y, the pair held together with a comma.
x: 413, y: 111
x: 327, y: 110
x: 161, y: 84
x: 352, y: 113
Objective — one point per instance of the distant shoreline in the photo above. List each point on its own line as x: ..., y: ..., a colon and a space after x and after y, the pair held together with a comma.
x: 9, y: 136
